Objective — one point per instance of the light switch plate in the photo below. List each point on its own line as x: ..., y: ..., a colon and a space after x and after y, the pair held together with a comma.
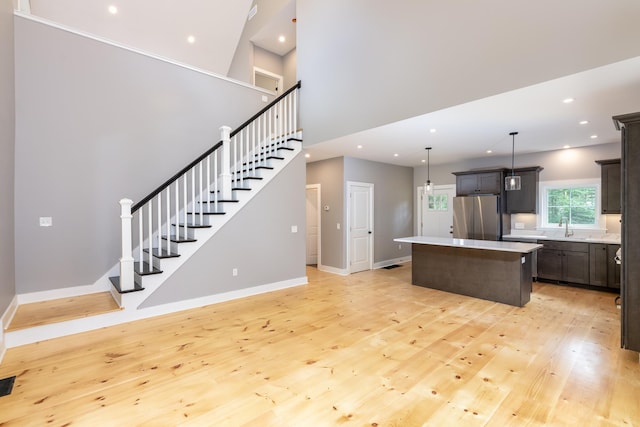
x: 46, y: 221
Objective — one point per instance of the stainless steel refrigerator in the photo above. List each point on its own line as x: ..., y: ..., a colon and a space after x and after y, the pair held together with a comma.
x: 478, y: 217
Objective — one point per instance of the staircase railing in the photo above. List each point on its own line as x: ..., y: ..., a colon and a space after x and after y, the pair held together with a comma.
x: 168, y: 213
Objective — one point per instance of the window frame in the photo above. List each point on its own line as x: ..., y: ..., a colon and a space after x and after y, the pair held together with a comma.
x: 543, y: 219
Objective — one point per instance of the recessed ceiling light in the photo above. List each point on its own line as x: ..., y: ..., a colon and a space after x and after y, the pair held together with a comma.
x: 593, y: 136
x: 432, y: 130
x: 396, y: 155
x: 359, y: 147
x: 584, y: 122
x: 113, y: 10
x: 191, y: 39
x: 489, y: 151
x: 568, y: 100
x: 281, y: 39
x: 566, y: 146
x: 307, y: 155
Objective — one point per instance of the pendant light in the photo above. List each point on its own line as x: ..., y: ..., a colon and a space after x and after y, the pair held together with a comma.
x: 428, y: 185
x: 512, y: 182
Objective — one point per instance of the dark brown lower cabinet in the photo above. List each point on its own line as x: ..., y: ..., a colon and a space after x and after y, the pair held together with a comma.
x: 564, y: 262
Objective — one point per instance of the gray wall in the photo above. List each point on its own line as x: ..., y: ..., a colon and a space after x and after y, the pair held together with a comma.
x: 573, y: 163
x: 393, y: 204
x: 330, y: 175
x: 7, y: 138
x: 96, y: 123
x: 364, y: 66
x: 257, y: 241
x: 268, y: 61
x: 290, y: 69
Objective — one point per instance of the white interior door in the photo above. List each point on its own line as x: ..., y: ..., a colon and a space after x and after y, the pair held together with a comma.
x: 435, y: 211
x: 360, y: 225
x: 313, y: 224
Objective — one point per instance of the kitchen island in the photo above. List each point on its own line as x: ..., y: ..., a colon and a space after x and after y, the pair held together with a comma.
x: 492, y: 270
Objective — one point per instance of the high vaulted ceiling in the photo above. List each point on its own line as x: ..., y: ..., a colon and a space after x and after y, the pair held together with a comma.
x: 159, y: 27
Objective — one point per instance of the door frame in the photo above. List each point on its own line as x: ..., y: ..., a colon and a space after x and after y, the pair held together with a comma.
x: 317, y: 187
x: 350, y: 184
x: 269, y: 74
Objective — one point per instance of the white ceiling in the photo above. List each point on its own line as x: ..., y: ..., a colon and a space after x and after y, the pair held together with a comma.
x: 465, y: 131
x: 537, y: 112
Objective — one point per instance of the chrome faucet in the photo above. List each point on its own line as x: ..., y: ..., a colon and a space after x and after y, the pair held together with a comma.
x: 567, y: 232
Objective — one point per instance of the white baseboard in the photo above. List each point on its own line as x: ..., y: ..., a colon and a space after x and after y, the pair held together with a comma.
x: 334, y: 270
x: 101, y: 285
x: 8, y: 314
x: 388, y: 262
x: 70, y: 327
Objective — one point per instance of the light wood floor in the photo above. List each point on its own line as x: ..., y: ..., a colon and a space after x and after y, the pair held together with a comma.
x: 59, y: 310
x: 364, y: 350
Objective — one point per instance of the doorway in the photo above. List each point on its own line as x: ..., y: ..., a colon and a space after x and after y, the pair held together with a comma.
x: 268, y: 80
x: 359, y: 226
x: 435, y: 211
x: 313, y: 224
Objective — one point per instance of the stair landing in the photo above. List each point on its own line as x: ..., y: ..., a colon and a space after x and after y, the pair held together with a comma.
x: 63, y: 309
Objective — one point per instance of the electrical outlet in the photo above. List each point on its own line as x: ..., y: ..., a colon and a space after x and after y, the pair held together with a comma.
x: 46, y: 221
x: 519, y: 225
x: 294, y: 228
x: 234, y: 272
x: 399, y: 247
x: 338, y: 226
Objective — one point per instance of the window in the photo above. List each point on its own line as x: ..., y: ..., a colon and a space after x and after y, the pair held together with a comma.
x: 575, y: 203
x: 438, y: 202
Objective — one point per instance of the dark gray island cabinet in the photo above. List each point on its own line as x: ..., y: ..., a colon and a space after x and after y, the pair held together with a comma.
x: 490, y: 270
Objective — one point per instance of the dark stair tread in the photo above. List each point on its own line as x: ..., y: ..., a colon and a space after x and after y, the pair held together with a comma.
x: 179, y: 239
x: 162, y: 253
x: 115, y: 281
x: 193, y: 224
x: 146, y: 269
x: 241, y: 189
x: 208, y: 213
x: 246, y: 178
x: 219, y: 201
x: 292, y: 138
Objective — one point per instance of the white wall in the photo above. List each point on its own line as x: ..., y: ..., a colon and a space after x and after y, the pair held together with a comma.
x: 364, y: 65
x: 96, y: 123
x: 7, y: 138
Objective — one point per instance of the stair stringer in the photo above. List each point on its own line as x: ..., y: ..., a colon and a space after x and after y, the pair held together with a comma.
x: 133, y: 300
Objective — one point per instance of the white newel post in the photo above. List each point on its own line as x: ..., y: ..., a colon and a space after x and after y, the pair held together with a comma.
x: 126, y: 261
x: 225, y: 173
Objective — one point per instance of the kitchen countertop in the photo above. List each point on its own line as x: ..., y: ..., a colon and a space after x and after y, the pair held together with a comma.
x: 607, y: 239
x: 490, y: 245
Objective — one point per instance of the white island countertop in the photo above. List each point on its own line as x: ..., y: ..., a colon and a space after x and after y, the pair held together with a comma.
x: 489, y: 245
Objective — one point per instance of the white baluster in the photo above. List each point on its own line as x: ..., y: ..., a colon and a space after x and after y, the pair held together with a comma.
x: 177, y: 213
x: 200, y: 192
x: 193, y: 195
x: 185, y: 205
x: 216, y: 188
x: 126, y: 259
x: 150, y: 231
x: 141, y: 238
x: 225, y: 175
x: 209, y: 183
x: 159, y: 225
x: 168, y: 223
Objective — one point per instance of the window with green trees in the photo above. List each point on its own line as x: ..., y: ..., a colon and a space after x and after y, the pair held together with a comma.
x: 576, y: 205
